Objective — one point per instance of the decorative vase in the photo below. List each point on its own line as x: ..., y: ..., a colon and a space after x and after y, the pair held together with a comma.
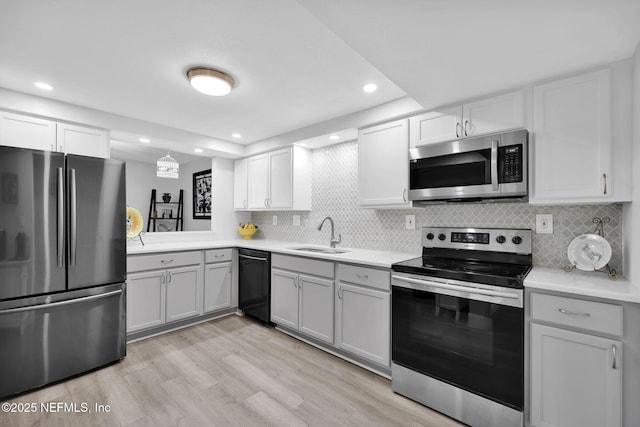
x: 166, y: 197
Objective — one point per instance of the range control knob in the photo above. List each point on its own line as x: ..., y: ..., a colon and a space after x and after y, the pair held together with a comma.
x: 430, y: 236
x: 442, y: 236
x: 516, y: 240
x: 501, y: 239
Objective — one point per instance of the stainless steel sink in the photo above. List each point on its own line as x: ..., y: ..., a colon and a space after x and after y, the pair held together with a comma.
x: 319, y: 250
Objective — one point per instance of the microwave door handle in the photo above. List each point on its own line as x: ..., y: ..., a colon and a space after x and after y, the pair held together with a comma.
x: 494, y: 165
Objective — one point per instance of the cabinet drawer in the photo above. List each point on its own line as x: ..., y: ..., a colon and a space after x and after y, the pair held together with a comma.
x: 217, y: 255
x: 365, y: 276
x: 577, y: 313
x: 303, y: 265
x: 165, y: 260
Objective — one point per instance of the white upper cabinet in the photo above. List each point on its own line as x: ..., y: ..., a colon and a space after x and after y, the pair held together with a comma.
x: 240, y: 195
x: 383, y: 165
x: 485, y: 116
x: 82, y: 140
x: 30, y: 132
x: 27, y: 132
x: 279, y: 180
x: 573, y: 142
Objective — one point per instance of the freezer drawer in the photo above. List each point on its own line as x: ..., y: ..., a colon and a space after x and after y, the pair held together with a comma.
x: 49, y: 338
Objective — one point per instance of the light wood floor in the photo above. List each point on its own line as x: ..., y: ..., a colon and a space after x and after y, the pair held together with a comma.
x: 227, y: 372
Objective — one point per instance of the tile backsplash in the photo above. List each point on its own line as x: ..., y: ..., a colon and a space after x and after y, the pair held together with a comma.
x: 335, y: 194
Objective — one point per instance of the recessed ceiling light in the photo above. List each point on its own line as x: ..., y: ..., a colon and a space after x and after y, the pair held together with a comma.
x: 145, y: 140
x: 301, y: 144
x: 236, y: 135
x: 198, y: 150
x: 334, y: 137
x: 43, y: 86
x: 210, y: 82
x: 370, y: 87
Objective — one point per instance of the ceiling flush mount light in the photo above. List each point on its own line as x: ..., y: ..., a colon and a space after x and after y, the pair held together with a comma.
x: 144, y: 140
x: 236, y: 135
x: 369, y: 88
x: 210, y: 82
x: 167, y: 167
x: 334, y: 137
x: 43, y: 86
x: 198, y: 150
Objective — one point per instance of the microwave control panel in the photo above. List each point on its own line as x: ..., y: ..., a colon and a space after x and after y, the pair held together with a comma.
x: 510, y: 161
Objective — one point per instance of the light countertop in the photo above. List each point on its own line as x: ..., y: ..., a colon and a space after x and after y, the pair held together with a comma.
x: 372, y: 258
x: 593, y: 284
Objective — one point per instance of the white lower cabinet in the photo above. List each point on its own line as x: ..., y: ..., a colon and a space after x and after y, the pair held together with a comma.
x: 363, y: 313
x: 575, y: 372
x: 183, y: 292
x: 217, y: 286
x: 145, y: 300
x: 301, y: 301
x: 157, y: 295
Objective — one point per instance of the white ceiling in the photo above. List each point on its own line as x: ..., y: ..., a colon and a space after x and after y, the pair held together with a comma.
x: 297, y: 63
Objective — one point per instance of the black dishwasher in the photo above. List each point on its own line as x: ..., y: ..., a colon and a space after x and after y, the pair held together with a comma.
x: 254, y: 296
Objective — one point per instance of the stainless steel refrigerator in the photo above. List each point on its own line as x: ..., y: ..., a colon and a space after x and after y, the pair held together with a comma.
x: 62, y: 266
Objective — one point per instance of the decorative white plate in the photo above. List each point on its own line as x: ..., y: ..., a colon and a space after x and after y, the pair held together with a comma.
x: 589, y: 252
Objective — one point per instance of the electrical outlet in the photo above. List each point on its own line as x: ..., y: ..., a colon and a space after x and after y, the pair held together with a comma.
x: 296, y: 220
x: 410, y: 222
x: 275, y: 220
x: 544, y: 223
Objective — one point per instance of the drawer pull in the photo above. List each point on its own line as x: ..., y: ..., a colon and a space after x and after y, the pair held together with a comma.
x: 166, y: 261
x: 362, y: 276
x: 218, y: 256
x: 573, y: 313
x: 613, y: 350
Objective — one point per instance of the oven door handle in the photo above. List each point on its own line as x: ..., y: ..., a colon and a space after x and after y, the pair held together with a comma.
x: 477, y: 291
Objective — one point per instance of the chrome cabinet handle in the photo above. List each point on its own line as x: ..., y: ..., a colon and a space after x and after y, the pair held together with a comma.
x: 295, y: 283
x: 362, y: 276
x: 163, y: 278
x: 340, y: 292
x: 458, y: 126
x: 218, y: 256
x: 245, y: 203
x: 166, y: 261
x: 614, y: 351
x: 404, y: 195
x: 466, y: 132
x: 573, y: 313
x: 169, y: 274
x: 604, y: 178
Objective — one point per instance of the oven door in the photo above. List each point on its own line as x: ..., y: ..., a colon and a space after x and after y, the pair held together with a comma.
x: 467, y: 338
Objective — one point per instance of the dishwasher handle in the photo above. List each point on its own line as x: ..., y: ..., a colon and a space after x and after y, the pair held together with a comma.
x: 253, y: 258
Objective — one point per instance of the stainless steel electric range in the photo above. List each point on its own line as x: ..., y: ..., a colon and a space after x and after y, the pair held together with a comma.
x: 458, y: 324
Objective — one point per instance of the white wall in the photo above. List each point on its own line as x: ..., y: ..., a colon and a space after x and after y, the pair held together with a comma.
x: 224, y: 218
x: 632, y: 210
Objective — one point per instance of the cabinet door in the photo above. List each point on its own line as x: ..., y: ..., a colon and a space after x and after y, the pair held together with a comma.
x: 240, y: 200
x: 83, y: 141
x: 495, y: 114
x: 280, y: 179
x: 576, y: 379
x: 436, y: 126
x: 363, y: 318
x: 258, y: 181
x: 183, y: 296
x: 383, y: 165
x: 217, y: 286
x: 316, y: 307
x: 27, y: 132
x: 145, y: 300
x: 572, y: 139
x: 284, y: 298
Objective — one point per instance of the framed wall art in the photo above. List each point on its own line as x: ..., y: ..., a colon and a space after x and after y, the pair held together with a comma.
x: 202, y: 203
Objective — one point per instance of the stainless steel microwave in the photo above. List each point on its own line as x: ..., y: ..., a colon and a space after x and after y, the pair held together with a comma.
x: 473, y: 169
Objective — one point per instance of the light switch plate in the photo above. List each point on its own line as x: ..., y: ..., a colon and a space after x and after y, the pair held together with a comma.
x: 544, y: 223
x: 410, y: 222
x: 275, y: 220
x: 296, y: 220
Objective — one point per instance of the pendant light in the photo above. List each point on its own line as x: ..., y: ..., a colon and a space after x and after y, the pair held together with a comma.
x: 210, y: 82
x: 167, y: 167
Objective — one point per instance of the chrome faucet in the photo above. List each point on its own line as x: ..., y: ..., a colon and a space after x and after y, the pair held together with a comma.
x: 333, y: 240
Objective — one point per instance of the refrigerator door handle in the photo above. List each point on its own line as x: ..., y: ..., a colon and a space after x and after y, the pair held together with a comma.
x: 60, y: 303
x: 73, y: 211
x: 60, y: 217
